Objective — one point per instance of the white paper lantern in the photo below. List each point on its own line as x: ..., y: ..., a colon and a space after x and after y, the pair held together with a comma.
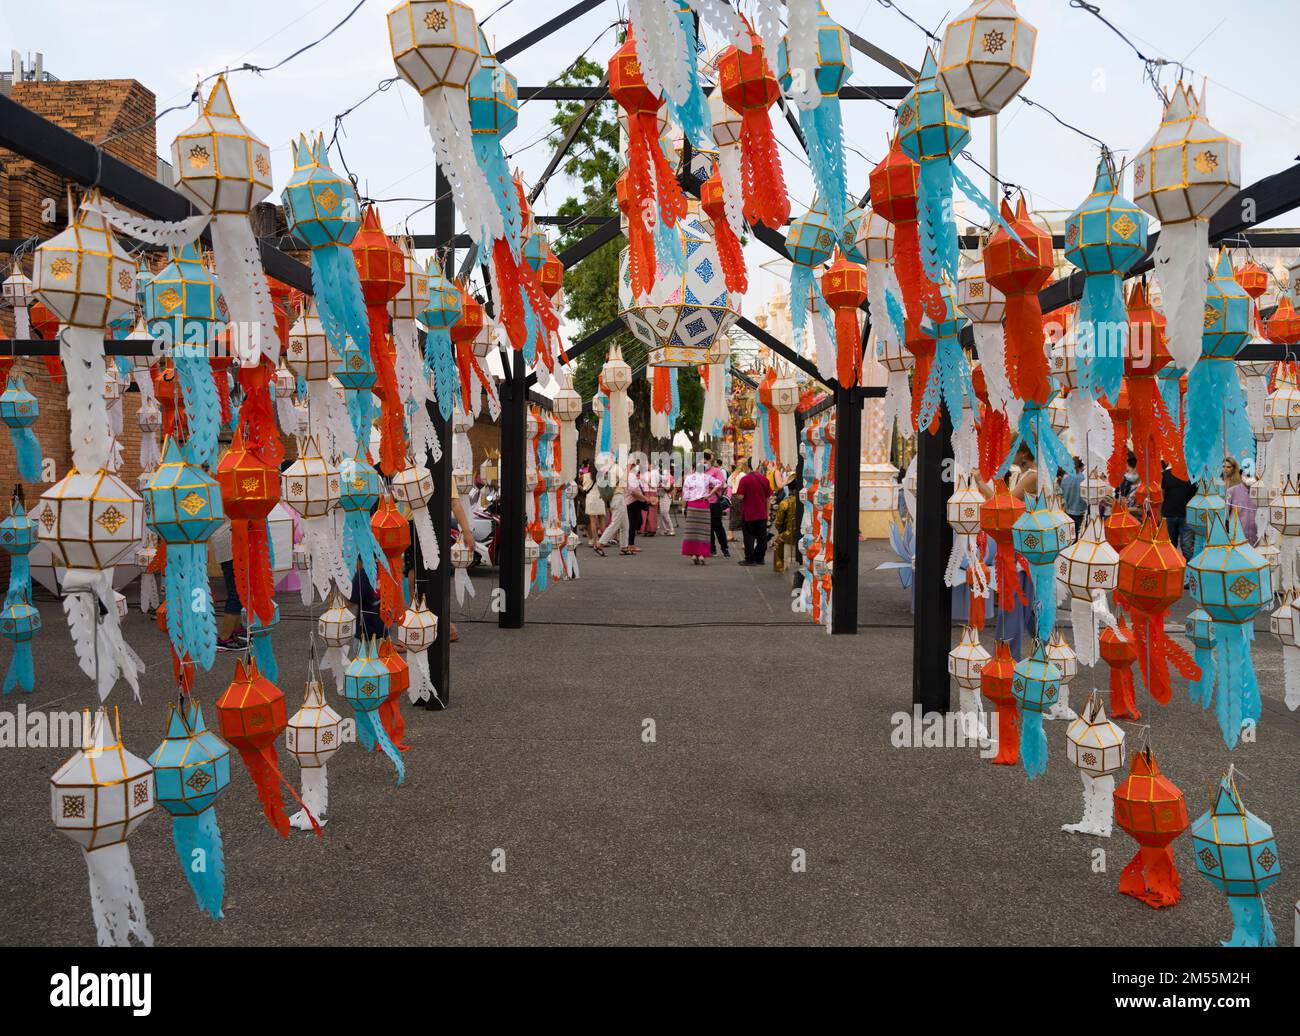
x: 986, y: 57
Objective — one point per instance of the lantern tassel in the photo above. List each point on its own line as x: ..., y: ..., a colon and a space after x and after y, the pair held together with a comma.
x: 96, y: 632
x: 115, y: 897
x: 732, y: 256
x: 447, y: 118
x: 315, y: 799
x: 239, y: 267
x: 1098, y: 806
x: 823, y: 129
x: 1009, y: 735
x: 1045, y: 599
x: 1103, y: 332
x: 1033, y: 743
x: 199, y: 848
x: 1152, y: 877
x: 1179, y: 256
x: 1237, y: 685
x: 1251, y: 925
x: 263, y: 651
x: 440, y: 359
x: 1219, y: 426
x: 264, y: 767
x: 463, y: 585
x: 191, y: 623
x: 27, y: 449
x: 766, y: 200
x: 848, y: 347
x: 692, y: 115
x: 21, y: 672
x: 426, y: 536
x: 938, y: 229
x: 1025, y: 359
x: 1291, y: 668
x: 337, y: 288
x: 372, y: 732
x: 1202, y: 689
x: 82, y: 351
x: 730, y: 171
x: 359, y: 545
x: 990, y: 347
x: 202, y: 403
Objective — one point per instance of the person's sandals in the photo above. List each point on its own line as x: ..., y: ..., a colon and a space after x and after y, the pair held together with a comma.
x: 628, y: 551
x: 599, y: 549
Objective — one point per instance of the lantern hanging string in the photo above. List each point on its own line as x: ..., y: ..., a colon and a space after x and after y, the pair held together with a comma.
x: 1150, y: 66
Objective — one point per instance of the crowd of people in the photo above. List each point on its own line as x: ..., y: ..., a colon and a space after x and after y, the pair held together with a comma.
x: 623, y: 502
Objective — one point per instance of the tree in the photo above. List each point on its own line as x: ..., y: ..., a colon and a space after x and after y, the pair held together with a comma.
x: 591, y: 287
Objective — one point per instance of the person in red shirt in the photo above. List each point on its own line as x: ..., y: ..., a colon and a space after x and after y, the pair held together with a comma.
x: 753, y: 492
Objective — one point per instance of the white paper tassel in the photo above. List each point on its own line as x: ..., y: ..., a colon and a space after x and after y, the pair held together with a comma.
x: 991, y: 347
x: 149, y: 599
x: 788, y: 441
x: 82, y: 352
x: 722, y: 19
x: 154, y: 231
x: 1098, y: 807
x: 1291, y: 669
x: 1181, y: 253
x: 427, y: 538
x: 464, y: 585
x: 733, y: 197
x: 447, y: 119
x: 336, y: 660
x: 97, y: 640
x: 325, y: 548
x: 243, y: 282
x: 660, y: 48
x: 315, y: 796
x: 970, y: 717
x: 767, y: 23
x: 115, y: 897
x: 421, y: 688
x: 824, y: 354
x: 1091, y: 428
x: 22, y: 323
x: 801, y: 46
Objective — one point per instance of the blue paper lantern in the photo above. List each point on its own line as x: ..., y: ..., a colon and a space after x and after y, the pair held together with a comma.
x: 949, y: 378
x: 1236, y: 853
x: 1104, y: 237
x: 366, y: 683
x: 1231, y: 581
x: 191, y: 768
x: 358, y: 493
x: 1039, y: 538
x: 1036, y: 684
x: 19, y: 410
x: 19, y: 620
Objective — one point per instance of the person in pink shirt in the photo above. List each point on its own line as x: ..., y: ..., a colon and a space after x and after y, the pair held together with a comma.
x: 717, y: 532
x: 696, y: 490
x: 753, y: 492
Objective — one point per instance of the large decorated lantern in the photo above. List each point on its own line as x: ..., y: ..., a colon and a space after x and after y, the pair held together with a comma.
x: 1095, y: 745
x: 1236, y: 852
x: 87, y: 280
x: 1232, y: 583
x: 966, y: 663
x: 381, y: 267
x: 91, y: 521
x: 184, y: 506
x: 19, y: 620
x: 986, y: 56
x: 1182, y: 177
x: 97, y: 798
x: 1039, y: 539
x: 440, y: 314
x: 221, y: 166
x: 1019, y: 269
x: 311, y: 485
x: 1152, y: 811
x: 191, y: 768
x: 684, y: 317
x: 844, y: 286
x: 250, y: 489
x: 435, y: 45
x: 1104, y: 237
x: 997, y: 678
x: 19, y: 410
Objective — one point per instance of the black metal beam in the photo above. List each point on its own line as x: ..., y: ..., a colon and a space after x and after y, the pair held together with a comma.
x: 550, y: 92
x: 784, y: 351
x: 61, y: 151
x: 513, y: 391
x: 545, y: 29
x: 931, y: 597
x: 574, y: 129
x: 579, y: 250
x: 844, y: 516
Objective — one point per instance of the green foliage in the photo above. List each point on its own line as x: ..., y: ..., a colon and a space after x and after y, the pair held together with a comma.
x: 591, y: 287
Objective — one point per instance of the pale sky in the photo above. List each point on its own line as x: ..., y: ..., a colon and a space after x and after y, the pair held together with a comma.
x: 1082, y: 72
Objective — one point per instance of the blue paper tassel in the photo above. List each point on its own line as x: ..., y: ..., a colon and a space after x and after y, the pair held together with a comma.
x: 264, y: 654
x: 202, y: 404
x: 970, y: 190
x: 823, y: 131
x: 339, y: 300
x: 203, y: 859
x: 669, y: 257
x: 361, y: 411
x: 21, y: 673
x: 1217, y: 425
x: 938, y: 228
x: 1103, y: 327
x: 371, y: 732
x: 487, y: 148
x: 359, y: 545
x: 1237, y: 686
x: 191, y: 623
x: 440, y: 359
x: 1036, y: 429
x: 1033, y: 743
x: 1202, y: 690
x: 1044, y: 599
x: 693, y: 116
x: 1251, y: 925
x: 675, y: 407
x: 606, y: 428
x: 28, y: 449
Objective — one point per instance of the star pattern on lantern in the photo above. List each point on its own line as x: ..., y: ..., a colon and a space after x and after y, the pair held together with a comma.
x: 435, y: 20
x: 368, y: 689
x: 111, y: 520
x: 198, y: 156
x: 994, y: 41
x: 906, y: 116
x: 1206, y: 162
x: 296, y: 489
x: 124, y: 279
x: 328, y: 199
x: 249, y: 485
x: 1139, y: 174
x: 74, y: 807
x: 327, y: 738
x: 263, y: 166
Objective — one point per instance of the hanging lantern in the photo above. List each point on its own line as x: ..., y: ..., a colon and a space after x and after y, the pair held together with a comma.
x: 844, y: 285
x: 337, y: 628
x: 184, y: 507
x: 825, y: 66
x: 250, y: 716
x: 97, y: 798
x: 1088, y: 568
x: 1019, y: 269
x: 567, y: 406
x: 1062, y: 655
x: 1119, y: 651
x: 413, y: 487
x: 191, y: 768
x: 732, y: 257
x: 415, y: 635
x: 749, y: 88
x: 86, y: 279
x: 998, y: 515
x: 1236, y: 852
x: 1217, y: 425
x: 963, y: 515
x: 1121, y: 526
x: 984, y: 306
x: 440, y: 315
x: 1182, y: 176
x: 365, y: 686
x: 1152, y: 811
x: 250, y: 488
x: 996, y: 680
x: 225, y: 170
x: 1155, y: 437
x: 435, y: 45
x: 19, y: 410
x: 19, y: 621
x: 1149, y: 581
x: 399, y: 683
x: 91, y: 522
x: 1035, y: 685
x: 393, y: 535
x: 1095, y: 745
x: 1283, y: 623
x: 464, y: 333
x: 686, y: 314
x: 810, y: 243
x: 966, y: 663
x: 312, y: 736
x: 1231, y: 582
x: 1037, y: 538
x: 311, y: 486
x: 381, y: 268
x: 986, y: 57
x: 1104, y: 237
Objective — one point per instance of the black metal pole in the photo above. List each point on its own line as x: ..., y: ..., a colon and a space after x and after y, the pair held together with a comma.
x: 510, y: 555
x: 844, y: 564
x: 797, y: 489
x: 932, y: 618
x: 435, y: 585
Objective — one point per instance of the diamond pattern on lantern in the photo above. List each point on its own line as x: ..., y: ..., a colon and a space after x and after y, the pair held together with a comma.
x: 328, y: 200
x: 1266, y: 859
x: 1124, y: 226
x: 74, y: 807
x: 140, y: 793
x: 199, y: 780
x: 111, y: 520
x: 1089, y: 758
x: 368, y: 689
x: 1208, y: 859
x: 1242, y: 587
x: 47, y: 518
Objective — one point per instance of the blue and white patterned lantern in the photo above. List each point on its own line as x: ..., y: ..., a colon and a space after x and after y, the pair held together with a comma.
x: 191, y: 768
x: 358, y: 493
x: 440, y: 314
x: 19, y: 410
x: 366, y: 683
x: 19, y: 621
x: 1036, y: 684
x: 1236, y: 853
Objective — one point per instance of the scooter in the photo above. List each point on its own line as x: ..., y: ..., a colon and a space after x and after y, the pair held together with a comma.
x: 484, y: 510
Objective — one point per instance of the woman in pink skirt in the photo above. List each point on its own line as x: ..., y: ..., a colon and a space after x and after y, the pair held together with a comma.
x: 696, y: 488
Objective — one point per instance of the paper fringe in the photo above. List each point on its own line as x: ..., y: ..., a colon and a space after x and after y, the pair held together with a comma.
x: 115, y: 897
x: 1180, y: 259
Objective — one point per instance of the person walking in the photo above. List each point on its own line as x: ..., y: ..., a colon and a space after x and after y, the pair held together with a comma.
x: 618, y: 517
x: 783, y: 523
x: 231, y: 634
x: 697, y: 521
x: 1176, y: 492
x: 594, y: 502
x: 717, y: 532
x: 650, y: 487
x: 636, y: 505
x: 752, y: 491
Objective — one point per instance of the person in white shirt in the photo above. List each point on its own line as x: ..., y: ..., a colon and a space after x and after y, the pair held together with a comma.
x: 666, y: 502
